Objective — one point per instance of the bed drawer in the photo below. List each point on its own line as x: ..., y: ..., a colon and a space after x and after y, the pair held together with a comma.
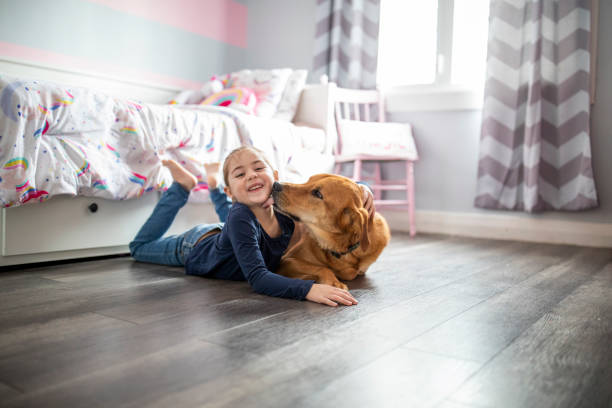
x: 72, y: 223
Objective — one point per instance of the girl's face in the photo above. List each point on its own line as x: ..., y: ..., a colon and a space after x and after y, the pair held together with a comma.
x: 250, y: 179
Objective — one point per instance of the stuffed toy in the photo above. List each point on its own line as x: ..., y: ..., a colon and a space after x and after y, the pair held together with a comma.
x: 195, y: 96
x: 211, y: 87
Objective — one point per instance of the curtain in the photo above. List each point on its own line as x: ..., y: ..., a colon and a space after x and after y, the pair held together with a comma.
x: 346, y: 42
x: 535, y: 152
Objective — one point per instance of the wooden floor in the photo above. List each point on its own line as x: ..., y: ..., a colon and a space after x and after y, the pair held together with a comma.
x: 442, y: 322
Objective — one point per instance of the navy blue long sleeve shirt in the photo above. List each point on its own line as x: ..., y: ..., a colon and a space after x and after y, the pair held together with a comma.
x: 221, y: 202
x: 244, y: 251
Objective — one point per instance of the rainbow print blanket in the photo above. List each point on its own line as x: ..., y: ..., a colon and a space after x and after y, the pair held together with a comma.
x: 68, y: 140
x: 76, y: 141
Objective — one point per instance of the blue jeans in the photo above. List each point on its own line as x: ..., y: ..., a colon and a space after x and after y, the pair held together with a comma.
x: 150, y: 245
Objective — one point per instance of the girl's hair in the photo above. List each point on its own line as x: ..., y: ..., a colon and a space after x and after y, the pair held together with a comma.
x: 237, y: 150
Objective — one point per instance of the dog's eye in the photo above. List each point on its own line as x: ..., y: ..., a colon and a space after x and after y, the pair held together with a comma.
x: 317, y: 193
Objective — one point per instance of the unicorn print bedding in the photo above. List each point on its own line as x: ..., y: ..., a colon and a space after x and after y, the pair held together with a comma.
x: 67, y: 140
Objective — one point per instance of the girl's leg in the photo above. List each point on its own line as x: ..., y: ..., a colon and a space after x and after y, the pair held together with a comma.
x: 149, y: 246
x: 220, y: 200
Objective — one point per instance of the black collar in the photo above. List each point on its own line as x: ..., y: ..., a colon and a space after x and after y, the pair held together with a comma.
x: 348, y: 251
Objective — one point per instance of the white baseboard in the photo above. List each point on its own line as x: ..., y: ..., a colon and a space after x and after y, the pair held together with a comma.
x: 495, y: 226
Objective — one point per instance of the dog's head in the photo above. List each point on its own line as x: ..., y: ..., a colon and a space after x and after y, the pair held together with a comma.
x: 331, y: 208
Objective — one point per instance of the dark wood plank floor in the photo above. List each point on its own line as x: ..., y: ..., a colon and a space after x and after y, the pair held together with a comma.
x: 442, y: 322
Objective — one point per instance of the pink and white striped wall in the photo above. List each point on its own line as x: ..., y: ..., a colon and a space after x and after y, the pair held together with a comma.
x: 221, y: 20
x: 57, y: 60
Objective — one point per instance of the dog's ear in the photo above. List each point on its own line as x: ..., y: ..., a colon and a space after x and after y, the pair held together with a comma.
x: 351, y: 222
x: 359, y: 223
x: 367, y: 222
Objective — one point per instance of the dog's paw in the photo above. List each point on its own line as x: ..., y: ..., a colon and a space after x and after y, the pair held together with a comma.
x: 340, y: 285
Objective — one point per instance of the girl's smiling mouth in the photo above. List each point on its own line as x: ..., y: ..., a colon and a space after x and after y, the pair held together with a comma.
x: 255, y: 187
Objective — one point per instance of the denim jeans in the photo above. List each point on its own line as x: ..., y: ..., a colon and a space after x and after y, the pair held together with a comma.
x: 150, y: 245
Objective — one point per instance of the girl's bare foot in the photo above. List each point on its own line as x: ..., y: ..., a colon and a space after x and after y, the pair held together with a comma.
x: 212, y: 175
x: 181, y: 175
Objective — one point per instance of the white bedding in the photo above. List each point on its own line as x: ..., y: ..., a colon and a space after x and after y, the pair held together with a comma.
x: 57, y: 140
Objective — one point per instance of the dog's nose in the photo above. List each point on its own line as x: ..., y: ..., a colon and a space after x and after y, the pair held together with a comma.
x: 277, y: 187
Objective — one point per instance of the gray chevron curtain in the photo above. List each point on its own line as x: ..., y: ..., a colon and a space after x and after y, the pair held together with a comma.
x: 535, y: 152
x: 346, y: 42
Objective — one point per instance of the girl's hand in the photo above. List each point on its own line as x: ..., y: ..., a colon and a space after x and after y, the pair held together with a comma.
x: 368, y: 199
x: 329, y: 295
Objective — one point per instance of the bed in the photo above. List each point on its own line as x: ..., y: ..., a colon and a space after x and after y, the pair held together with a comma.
x: 81, y: 156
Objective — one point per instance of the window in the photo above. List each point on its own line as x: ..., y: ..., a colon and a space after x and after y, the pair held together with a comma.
x: 436, y: 49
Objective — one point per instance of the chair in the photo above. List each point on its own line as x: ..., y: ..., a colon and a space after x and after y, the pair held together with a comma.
x: 362, y: 140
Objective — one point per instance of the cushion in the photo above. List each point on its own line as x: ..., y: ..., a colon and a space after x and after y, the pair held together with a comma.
x: 287, y: 107
x: 377, y: 139
x: 268, y: 86
x: 233, y: 97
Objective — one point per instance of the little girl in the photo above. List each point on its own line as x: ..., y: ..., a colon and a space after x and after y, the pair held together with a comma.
x: 248, y: 246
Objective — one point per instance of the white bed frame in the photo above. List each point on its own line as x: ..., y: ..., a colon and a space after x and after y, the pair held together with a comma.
x: 66, y: 227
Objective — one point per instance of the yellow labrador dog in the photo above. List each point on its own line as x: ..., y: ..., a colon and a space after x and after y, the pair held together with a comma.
x: 334, y: 237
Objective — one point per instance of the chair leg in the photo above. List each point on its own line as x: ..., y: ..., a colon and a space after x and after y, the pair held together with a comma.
x: 410, y: 194
x: 377, y: 181
x: 357, y: 170
x: 337, y: 168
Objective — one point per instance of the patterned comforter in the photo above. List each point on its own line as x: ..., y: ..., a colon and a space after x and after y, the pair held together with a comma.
x: 57, y: 140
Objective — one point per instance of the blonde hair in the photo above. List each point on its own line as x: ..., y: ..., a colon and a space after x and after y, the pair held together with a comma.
x: 237, y: 150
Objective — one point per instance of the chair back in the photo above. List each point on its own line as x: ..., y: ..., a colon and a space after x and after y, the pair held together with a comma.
x: 357, y: 104
x: 375, y: 143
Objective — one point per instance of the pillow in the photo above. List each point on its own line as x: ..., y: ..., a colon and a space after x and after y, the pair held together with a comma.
x: 195, y: 96
x: 241, y: 98
x: 377, y: 139
x: 188, y: 97
x: 291, y: 95
x: 268, y: 86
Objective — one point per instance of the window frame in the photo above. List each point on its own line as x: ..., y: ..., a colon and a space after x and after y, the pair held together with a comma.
x: 441, y: 95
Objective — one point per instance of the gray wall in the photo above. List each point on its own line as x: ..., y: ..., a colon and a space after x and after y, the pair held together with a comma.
x: 601, y: 120
x: 448, y: 141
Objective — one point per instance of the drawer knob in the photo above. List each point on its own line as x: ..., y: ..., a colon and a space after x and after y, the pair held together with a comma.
x: 93, y: 207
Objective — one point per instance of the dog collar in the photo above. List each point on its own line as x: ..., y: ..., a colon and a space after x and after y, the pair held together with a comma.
x: 348, y: 251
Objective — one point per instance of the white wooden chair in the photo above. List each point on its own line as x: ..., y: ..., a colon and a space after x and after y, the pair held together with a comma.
x: 361, y: 139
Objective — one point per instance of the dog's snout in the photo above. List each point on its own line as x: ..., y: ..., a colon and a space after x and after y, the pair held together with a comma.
x: 277, y: 187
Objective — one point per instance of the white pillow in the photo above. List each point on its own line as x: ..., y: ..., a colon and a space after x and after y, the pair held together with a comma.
x: 268, y: 86
x: 291, y: 95
x: 377, y: 139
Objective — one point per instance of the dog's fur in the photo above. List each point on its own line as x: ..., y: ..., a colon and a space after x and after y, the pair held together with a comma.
x: 334, y: 237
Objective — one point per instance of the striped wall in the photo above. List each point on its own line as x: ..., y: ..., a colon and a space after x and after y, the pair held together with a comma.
x: 222, y: 20
x: 178, y: 43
